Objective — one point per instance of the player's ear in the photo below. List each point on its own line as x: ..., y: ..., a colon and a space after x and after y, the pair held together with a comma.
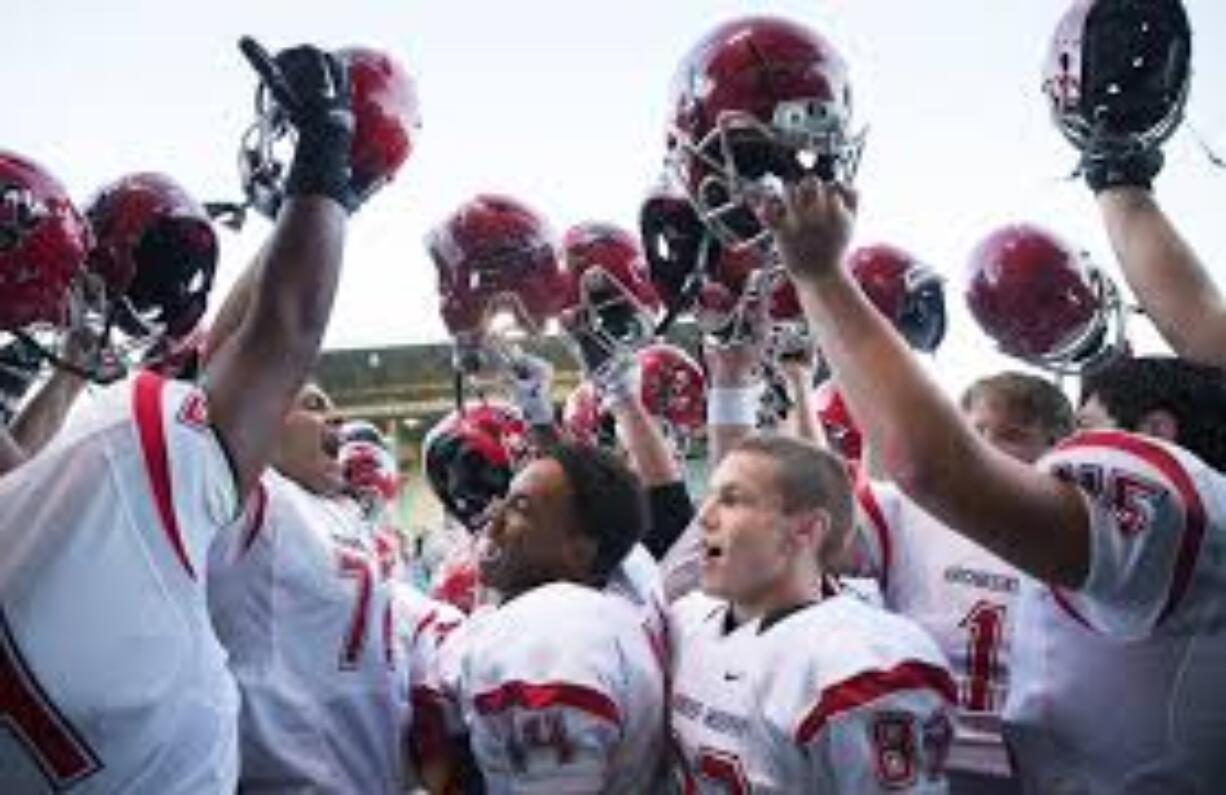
x: 1160, y: 424
x: 580, y: 552
x: 811, y: 526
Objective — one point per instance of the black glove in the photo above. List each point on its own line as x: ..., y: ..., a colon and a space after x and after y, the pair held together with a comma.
x: 1134, y: 170
x: 311, y: 87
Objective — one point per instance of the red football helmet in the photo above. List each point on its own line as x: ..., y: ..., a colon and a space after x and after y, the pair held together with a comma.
x: 156, y: 253
x: 671, y: 386
x: 842, y: 433
x: 495, y: 253
x: 908, y: 293
x: 673, y: 390
x: 1043, y: 302
x: 757, y: 98
x: 470, y: 457
x: 386, y: 117
x: 1117, y: 75
x: 610, y: 301
x: 43, y: 245
x: 367, y: 461
x: 457, y: 583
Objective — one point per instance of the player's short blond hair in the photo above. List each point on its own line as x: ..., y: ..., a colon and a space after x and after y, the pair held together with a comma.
x: 1028, y: 398
x: 807, y: 478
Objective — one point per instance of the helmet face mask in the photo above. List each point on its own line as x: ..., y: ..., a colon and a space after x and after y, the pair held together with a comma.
x: 742, y: 157
x: 610, y: 306
x: 386, y: 116
x: 758, y: 102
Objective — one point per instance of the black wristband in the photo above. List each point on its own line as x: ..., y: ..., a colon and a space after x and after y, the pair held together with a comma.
x: 1135, y: 170
x: 321, y: 166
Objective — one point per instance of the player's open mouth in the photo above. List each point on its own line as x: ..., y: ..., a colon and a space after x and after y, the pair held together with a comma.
x: 712, y: 552
x: 330, y: 442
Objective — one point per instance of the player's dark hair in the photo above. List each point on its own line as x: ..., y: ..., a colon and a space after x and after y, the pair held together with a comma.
x: 1028, y: 398
x: 807, y: 478
x: 609, y: 501
x: 1194, y: 394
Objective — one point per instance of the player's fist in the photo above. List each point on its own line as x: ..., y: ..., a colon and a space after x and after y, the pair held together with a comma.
x: 311, y: 87
x: 812, y: 222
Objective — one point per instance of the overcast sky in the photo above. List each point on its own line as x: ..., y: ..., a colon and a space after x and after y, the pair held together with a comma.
x: 562, y: 104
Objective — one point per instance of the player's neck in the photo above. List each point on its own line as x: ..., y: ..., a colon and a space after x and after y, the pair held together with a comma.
x: 789, y: 592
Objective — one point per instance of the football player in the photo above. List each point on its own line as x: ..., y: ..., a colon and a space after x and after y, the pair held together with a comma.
x: 302, y: 602
x: 106, y: 531
x: 779, y: 686
x: 963, y: 595
x: 560, y: 687
x: 298, y: 593
x: 1122, y: 523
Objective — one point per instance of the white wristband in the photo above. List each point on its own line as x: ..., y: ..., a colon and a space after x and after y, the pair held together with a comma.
x: 733, y: 405
x: 536, y: 407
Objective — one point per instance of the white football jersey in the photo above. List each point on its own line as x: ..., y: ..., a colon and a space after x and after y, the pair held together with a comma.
x: 1117, y: 686
x: 111, y: 679
x: 561, y: 692
x: 299, y: 600
x: 963, y: 596
x: 637, y: 579
x: 834, y: 697
x: 423, y: 625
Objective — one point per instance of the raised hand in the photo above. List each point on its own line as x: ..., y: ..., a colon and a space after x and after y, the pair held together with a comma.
x: 311, y: 87
x: 812, y: 222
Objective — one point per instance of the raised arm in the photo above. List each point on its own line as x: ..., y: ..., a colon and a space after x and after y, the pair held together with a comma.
x: 252, y: 378
x: 43, y: 414
x: 1171, y: 282
x: 1026, y: 517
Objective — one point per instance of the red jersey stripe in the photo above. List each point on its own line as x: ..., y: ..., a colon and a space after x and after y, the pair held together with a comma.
x: 543, y: 696
x: 870, y: 686
x: 1195, y: 518
x: 147, y: 404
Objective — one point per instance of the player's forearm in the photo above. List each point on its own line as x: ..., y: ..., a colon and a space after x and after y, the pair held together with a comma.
x: 1165, y: 273
x: 649, y: 451
x: 804, y: 420
x: 732, y: 400
x: 297, y: 284
x: 43, y: 416
x: 907, y: 419
x: 236, y: 305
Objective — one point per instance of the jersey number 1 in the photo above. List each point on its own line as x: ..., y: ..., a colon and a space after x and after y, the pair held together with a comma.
x: 985, y: 627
